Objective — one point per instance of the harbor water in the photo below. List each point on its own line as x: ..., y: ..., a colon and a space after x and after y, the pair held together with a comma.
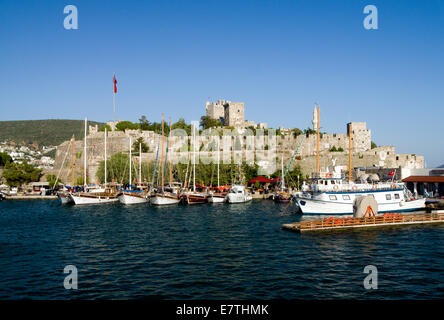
x: 209, y: 251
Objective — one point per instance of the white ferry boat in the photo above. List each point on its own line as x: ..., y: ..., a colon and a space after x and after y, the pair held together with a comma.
x: 329, y: 195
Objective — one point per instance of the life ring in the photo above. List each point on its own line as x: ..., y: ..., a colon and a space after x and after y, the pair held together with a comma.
x: 354, y: 188
x: 393, y: 186
x: 375, y: 187
x: 335, y: 187
x: 328, y: 174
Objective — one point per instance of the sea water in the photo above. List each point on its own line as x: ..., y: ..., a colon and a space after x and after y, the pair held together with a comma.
x: 211, y: 251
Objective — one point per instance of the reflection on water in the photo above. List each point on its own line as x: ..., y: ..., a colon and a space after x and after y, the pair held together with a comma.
x: 206, y: 252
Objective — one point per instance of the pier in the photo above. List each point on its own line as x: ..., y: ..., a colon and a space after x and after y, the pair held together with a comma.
x: 30, y: 197
x: 390, y: 219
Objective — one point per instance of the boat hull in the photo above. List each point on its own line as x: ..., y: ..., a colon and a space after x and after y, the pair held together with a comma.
x: 236, y: 198
x: 194, y: 198
x: 162, y: 200
x: 129, y: 198
x: 217, y: 198
x: 91, y: 198
x: 64, y: 198
x: 321, y: 207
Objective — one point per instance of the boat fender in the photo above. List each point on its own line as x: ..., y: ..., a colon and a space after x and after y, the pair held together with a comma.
x: 354, y: 188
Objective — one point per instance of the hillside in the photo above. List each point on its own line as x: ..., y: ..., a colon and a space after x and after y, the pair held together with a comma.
x: 42, y: 132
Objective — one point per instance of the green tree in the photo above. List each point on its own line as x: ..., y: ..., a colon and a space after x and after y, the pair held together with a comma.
x: 208, y: 122
x: 373, y: 145
x: 17, y: 174
x: 123, y: 125
x: 296, y: 132
x: 52, y: 178
x: 181, y: 124
x: 143, y: 146
x: 4, y: 158
x: 309, y: 131
x: 108, y: 128
x: 144, y: 124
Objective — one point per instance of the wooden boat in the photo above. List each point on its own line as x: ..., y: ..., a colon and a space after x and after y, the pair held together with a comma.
x: 164, y: 198
x: 217, y: 197
x: 281, y: 196
x: 133, y: 197
x: 64, y: 197
x: 194, y: 198
x: 95, y: 197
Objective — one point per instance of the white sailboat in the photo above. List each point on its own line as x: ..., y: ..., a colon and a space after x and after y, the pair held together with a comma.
x: 106, y: 196
x: 134, y: 196
x: 217, y: 197
x: 194, y: 197
x: 164, y: 197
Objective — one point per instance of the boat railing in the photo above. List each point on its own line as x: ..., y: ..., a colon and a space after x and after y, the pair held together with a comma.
x: 356, y: 187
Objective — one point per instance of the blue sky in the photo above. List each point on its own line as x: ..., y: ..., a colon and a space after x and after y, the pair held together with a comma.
x: 279, y: 57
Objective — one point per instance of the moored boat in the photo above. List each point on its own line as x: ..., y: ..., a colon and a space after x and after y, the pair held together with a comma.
x: 64, y: 197
x: 95, y: 197
x: 238, y: 194
x: 164, y: 198
x: 217, y: 197
x: 133, y: 197
x: 194, y: 198
x: 328, y: 195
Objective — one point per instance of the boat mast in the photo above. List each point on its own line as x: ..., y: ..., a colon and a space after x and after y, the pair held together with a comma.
x: 282, y: 171
x: 84, y: 159
x: 194, y: 158
x: 155, y: 165
x: 140, y: 164
x: 349, y: 153
x: 171, y: 171
x: 72, y: 164
x: 130, y: 180
x: 105, y: 157
x: 161, y: 168
x: 317, y: 145
x: 218, y: 160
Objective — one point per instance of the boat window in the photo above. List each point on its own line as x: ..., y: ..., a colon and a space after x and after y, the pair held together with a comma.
x: 388, y: 197
x: 333, y: 197
x: 346, y: 197
x: 396, y: 195
x: 325, y: 182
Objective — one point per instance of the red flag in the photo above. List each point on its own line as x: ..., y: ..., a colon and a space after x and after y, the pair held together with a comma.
x: 115, y: 84
x: 391, y: 174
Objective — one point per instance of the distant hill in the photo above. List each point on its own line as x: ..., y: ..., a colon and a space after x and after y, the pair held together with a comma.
x: 441, y: 166
x: 42, y: 132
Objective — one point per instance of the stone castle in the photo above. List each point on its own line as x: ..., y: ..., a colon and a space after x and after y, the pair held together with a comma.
x: 231, y: 114
x: 363, y: 155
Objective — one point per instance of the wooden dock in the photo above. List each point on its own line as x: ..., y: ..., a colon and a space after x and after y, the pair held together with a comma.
x: 30, y: 197
x: 387, y: 219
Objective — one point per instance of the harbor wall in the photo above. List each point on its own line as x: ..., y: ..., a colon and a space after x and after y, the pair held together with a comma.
x: 118, y: 141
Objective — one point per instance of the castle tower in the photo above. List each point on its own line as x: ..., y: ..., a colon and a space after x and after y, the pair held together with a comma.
x: 215, y: 110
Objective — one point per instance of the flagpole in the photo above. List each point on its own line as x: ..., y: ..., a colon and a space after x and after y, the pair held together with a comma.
x: 114, y: 97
